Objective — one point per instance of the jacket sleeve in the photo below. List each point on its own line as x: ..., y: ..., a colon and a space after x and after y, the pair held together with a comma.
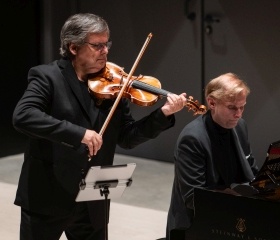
x: 190, y: 161
x: 32, y: 114
x: 133, y: 132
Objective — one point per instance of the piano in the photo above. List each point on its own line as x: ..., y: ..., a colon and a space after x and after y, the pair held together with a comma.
x: 250, y: 212
x: 267, y: 181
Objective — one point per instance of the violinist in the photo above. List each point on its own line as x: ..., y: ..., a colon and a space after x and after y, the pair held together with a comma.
x: 62, y: 120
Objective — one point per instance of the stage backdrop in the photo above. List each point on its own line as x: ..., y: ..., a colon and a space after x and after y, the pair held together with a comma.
x: 193, y: 41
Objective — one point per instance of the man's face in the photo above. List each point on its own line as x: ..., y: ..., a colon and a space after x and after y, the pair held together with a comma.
x: 91, y: 57
x: 227, y: 113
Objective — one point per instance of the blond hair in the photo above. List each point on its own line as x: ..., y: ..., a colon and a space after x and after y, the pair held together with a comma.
x: 226, y: 87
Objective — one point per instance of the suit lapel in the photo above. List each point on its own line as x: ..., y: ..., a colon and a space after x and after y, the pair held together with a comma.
x: 243, y: 161
x: 70, y: 75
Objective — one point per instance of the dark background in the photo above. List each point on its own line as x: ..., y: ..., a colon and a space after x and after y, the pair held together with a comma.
x: 20, y: 42
x: 193, y: 41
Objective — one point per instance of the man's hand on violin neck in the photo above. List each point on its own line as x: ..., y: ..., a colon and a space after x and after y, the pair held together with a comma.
x: 174, y: 103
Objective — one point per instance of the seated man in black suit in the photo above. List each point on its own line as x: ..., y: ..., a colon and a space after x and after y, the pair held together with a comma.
x: 212, y: 151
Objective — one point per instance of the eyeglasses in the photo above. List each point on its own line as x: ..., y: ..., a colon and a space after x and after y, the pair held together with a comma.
x: 100, y: 46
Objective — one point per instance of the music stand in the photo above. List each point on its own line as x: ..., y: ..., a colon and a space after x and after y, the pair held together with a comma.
x: 105, y: 182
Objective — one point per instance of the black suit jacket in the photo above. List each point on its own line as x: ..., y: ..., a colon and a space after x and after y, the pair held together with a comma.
x: 53, y: 113
x: 195, y: 167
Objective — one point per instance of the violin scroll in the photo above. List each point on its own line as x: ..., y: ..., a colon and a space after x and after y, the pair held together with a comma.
x: 195, y: 106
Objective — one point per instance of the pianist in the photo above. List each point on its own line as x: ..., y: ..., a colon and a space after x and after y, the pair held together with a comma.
x: 212, y: 151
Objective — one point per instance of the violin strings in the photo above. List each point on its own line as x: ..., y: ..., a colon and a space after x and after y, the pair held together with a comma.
x: 149, y: 88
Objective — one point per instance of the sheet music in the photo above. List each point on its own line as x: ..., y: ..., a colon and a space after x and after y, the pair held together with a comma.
x: 117, y: 177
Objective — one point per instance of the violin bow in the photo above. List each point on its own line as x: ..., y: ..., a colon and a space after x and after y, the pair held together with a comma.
x: 125, y: 84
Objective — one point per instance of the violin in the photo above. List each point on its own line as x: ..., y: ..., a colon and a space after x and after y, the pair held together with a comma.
x: 113, y: 82
x: 141, y: 90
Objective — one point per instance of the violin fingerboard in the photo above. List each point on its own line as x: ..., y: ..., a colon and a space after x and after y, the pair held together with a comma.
x: 149, y: 88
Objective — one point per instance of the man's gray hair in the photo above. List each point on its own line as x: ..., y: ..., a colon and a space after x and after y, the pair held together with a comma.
x: 76, y: 29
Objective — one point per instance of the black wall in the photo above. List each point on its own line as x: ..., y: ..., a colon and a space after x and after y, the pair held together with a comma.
x: 19, y: 51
